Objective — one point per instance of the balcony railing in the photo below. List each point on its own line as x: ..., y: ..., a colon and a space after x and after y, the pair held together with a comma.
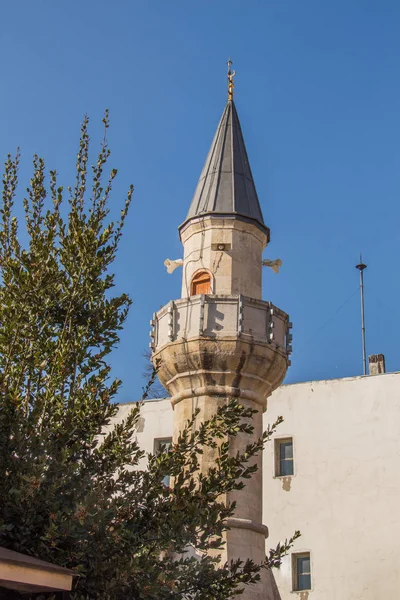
x: 221, y: 317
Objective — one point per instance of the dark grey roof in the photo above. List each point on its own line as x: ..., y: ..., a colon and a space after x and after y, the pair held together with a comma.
x: 226, y: 185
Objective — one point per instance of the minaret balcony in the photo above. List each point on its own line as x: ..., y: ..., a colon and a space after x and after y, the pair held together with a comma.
x: 221, y: 318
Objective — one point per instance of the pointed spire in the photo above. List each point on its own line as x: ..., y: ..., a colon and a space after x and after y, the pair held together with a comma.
x: 226, y: 185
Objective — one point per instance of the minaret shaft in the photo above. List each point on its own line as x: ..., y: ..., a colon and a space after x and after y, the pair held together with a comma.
x: 229, y: 249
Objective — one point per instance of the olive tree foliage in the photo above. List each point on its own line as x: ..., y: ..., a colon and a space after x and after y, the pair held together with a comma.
x: 156, y: 390
x: 71, y: 490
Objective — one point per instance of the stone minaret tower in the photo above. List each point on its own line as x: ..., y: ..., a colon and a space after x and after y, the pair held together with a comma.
x: 220, y: 339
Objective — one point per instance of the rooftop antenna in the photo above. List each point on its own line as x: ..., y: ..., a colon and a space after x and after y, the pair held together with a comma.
x: 231, y: 85
x: 361, y: 266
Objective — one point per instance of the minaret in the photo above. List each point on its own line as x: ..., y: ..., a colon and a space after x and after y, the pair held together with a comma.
x: 220, y: 339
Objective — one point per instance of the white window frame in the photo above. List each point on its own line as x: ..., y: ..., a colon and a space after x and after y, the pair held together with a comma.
x: 295, y: 574
x: 158, y: 442
x: 277, y: 456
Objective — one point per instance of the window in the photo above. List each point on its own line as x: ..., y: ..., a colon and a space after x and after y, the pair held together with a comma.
x: 301, y: 567
x: 201, y: 283
x: 163, y: 445
x: 284, y: 457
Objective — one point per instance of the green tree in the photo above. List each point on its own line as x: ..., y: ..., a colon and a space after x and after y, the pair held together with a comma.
x: 69, y: 491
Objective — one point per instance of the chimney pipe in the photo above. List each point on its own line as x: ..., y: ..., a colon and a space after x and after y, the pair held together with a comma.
x: 376, y: 364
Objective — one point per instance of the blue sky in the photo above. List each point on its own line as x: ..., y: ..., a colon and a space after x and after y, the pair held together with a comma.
x: 318, y: 95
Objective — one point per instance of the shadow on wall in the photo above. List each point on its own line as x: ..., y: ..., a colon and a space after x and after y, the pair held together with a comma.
x: 140, y: 425
x: 286, y: 484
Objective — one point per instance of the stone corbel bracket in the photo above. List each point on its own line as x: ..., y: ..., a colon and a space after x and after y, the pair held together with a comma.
x: 172, y: 264
x: 275, y: 265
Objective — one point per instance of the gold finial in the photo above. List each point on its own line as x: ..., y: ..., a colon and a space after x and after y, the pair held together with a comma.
x: 231, y: 75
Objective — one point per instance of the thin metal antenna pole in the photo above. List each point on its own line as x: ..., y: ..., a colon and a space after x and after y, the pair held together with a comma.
x: 361, y: 266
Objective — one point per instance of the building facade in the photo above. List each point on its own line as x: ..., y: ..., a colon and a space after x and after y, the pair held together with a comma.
x: 340, y: 487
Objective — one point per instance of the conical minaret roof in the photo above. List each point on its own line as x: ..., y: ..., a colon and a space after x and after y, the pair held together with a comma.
x: 226, y: 185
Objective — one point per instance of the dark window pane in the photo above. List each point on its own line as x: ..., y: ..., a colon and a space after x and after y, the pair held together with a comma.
x: 286, y: 450
x: 303, y: 582
x: 162, y: 444
x: 286, y: 468
x: 303, y: 564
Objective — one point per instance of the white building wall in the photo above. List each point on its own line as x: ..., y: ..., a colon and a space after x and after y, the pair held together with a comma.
x: 345, y: 492
x: 155, y: 422
x: 344, y: 496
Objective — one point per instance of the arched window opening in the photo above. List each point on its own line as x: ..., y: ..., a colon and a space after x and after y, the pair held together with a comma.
x: 201, y: 283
